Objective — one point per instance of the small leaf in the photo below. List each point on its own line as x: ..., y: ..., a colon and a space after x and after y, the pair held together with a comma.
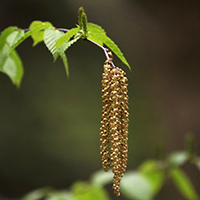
x: 178, y: 158
x: 97, y: 33
x: 14, y: 37
x: 13, y: 68
x: 100, y: 178
x: 66, y: 37
x: 38, y: 36
x: 135, y: 186
x: 183, y: 184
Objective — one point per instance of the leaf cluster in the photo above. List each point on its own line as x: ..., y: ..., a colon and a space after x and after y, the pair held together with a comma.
x: 57, y: 40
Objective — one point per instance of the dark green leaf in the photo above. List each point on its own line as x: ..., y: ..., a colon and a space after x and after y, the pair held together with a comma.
x: 183, y: 184
x: 66, y: 37
x: 135, y: 186
x: 38, y: 36
x: 97, y: 34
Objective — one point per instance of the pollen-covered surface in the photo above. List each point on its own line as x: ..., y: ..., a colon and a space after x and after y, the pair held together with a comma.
x: 114, y: 123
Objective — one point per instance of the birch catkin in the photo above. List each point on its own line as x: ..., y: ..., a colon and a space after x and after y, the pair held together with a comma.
x: 114, y: 123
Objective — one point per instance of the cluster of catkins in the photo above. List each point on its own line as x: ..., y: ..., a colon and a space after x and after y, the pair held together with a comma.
x: 114, y: 123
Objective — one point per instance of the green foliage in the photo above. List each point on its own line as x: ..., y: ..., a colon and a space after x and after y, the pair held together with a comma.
x: 56, y: 41
x: 183, y: 184
x: 38, y: 36
x: 10, y: 63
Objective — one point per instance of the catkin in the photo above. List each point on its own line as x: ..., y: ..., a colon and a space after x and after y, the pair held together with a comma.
x: 114, y: 123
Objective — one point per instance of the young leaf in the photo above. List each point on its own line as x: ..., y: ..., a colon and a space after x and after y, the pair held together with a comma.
x: 14, y: 37
x: 38, y: 36
x: 183, y: 184
x: 65, y: 62
x: 97, y: 33
x: 13, y: 68
x: 66, y: 37
x: 4, y: 34
x: 29, y: 33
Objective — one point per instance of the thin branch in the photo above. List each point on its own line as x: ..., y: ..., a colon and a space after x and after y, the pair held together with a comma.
x: 63, y: 29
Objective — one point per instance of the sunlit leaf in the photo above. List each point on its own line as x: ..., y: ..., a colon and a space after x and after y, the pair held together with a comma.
x: 85, y: 191
x: 66, y: 37
x: 29, y: 33
x: 38, y: 36
x: 178, y: 158
x: 14, y: 37
x: 183, y: 184
x: 4, y: 34
x: 13, y: 68
x: 97, y: 34
x: 135, y: 186
x: 100, y: 178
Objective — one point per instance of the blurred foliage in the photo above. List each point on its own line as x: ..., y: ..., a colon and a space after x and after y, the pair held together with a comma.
x: 141, y: 184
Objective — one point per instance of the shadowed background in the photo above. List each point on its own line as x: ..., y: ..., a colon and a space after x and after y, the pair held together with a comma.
x: 49, y: 128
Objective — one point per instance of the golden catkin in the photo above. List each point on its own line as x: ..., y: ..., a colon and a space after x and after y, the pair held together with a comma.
x: 114, y: 123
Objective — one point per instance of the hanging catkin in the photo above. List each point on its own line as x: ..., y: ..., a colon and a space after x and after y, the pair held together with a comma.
x: 114, y: 122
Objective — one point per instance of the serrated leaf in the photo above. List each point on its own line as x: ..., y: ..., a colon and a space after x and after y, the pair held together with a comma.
x: 183, y: 184
x: 97, y: 34
x: 38, y: 36
x: 135, y: 186
x: 14, y: 37
x: 66, y: 37
x: 178, y: 158
x: 4, y: 34
x: 12, y: 67
x: 29, y: 33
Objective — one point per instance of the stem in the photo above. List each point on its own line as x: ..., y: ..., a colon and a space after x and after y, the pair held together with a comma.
x: 63, y: 29
x: 105, y: 51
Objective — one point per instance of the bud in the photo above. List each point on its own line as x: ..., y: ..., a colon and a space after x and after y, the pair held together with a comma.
x: 114, y: 123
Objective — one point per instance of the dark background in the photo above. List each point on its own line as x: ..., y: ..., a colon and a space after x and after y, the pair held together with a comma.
x: 49, y: 128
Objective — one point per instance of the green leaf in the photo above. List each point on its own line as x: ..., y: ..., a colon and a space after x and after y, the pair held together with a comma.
x: 150, y: 170
x: 61, y: 195
x: 50, y: 37
x: 178, y: 158
x: 65, y: 62
x: 84, y: 191
x: 135, y: 186
x: 4, y: 34
x: 66, y: 37
x: 100, y: 178
x: 12, y: 66
x: 97, y: 34
x: 14, y: 37
x: 183, y: 184
x: 29, y: 33
x: 38, y: 36
x: 37, y: 194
